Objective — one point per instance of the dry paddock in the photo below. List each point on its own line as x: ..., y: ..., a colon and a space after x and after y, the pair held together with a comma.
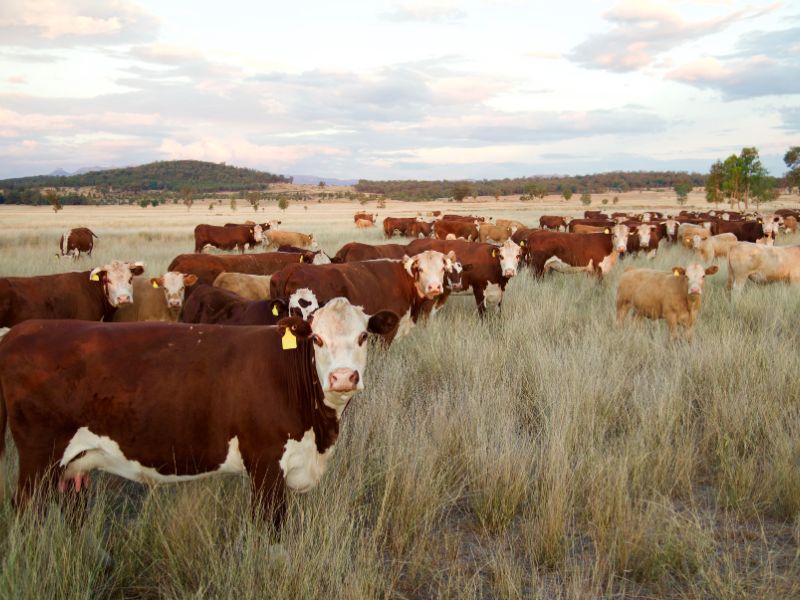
x: 544, y: 453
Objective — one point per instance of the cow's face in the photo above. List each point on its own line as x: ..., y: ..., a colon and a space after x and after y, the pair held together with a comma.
x: 117, y: 280
x: 509, y: 255
x: 696, y: 241
x: 453, y: 274
x: 695, y: 275
x: 428, y: 270
x: 339, y: 333
x: 644, y: 232
x: 258, y: 234
x: 672, y: 227
x: 302, y: 303
x: 174, y: 285
x: 619, y: 237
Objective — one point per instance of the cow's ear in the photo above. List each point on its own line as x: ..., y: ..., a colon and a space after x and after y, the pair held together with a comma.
x: 137, y: 268
x: 678, y: 271
x: 452, y: 255
x: 157, y: 282
x: 189, y: 279
x: 712, y: 269
x: 408, y: 264
x: 97, y: 274
x: 383, y: 322
x: 296, y: 326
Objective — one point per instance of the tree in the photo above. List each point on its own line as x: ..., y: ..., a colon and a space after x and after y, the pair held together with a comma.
x: 144, y: 203
x: 186, y: 195
x: 461, y: 191
x: 715, y: 182
x: 682, y: 190
x: 567, y: 194
x: 254, y: 198
x: 732, y: 178
x: 233, y: 204
x: 210, y: 206
x: 51, y: 196
x: 321, y: 184
x: 283, y: 203
x: 536, y: 190
x: 615, y: 199
x: 154, y: 203
x: 586, y: 198
x: 753, y: 172
x: 764, y: 190
x: 604, y: 201
x: 792, y: 160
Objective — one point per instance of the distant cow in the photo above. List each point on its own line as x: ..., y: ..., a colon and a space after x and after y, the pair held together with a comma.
x: 289, y: 238
x: 463, y: 218
x: 745, y: 231
x: 250, y: 287
x: 157, y: 298
x: 397, y: 224
x: 364, y: 224
x: 208, y: 266
x: 75, y: 241
x: 420, y: 229
x: 456, y: 228
x: 356, y: 251
x: 673, y: 296
x: 510, y: 223
x: 496, y: 233
x: 593, y: 252
x: 88, y: 295
x: 232, y: 237
x: 762, y: 264
x: 552, y: 222
x: 364, y: 216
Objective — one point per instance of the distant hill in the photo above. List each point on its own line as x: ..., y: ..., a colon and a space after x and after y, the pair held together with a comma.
x: 198, y: 176
x: 314, y: 180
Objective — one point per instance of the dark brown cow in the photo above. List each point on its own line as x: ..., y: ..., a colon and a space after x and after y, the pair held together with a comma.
x: 209, y: 304
x: 463, y: 218
x: 456, y: 229
x: 593, y: 252
x: 88, y: 295
x: 229, y: 237
x: 356, y: 251
x: 399, y: 224
x: 265, y: 401
x: 486, y: 268
x: 552, y: 222
x: 75, y: 241
x: 408, y: 287
x: 207, y: 266
x: 594, y: 214
x: 745, y: 231
x: 788, y: 212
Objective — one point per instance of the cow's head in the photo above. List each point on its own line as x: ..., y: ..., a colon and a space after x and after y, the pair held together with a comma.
x: 509, y: 255
x: 257, y: 234
x: 174, y: 285
x: 619, y: 237
x: 428, y: 270
x: 338, y: 332
x: 117, y: 280
x: 696, y: 241
x: 644, y: 232
x: 695, y: 276
x: 453, y: 275
x: 672, y: 227
x: 303, y: 303
x: 320, y: 258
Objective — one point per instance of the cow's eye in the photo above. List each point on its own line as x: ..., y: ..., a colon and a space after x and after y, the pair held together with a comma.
x: 362, y: 338
x: 317, y: 340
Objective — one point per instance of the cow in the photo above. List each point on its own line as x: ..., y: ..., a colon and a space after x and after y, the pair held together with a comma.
x: 209, y: 304
x: 594, y: 214
x: 510, y: 223
x: 88, y: 295
x: 716, y: 246
x: 364, y: 216
x: 434, y: 213
x: 553, y: 222
x: 319, y: 257
x: 788, y: 212
x: 75, y: 241
x: 157, y: 298
x: 745, y: 231
x: 261, y: 401
x: 762, y: 264
x: 364, y: 224
x: 420, y: 229
x: 496, y: 233
x: 250, y: 287
x: 594, y: 252
x: 289, y: 238
x: 645, y: 237
x: 234, y: 237
x: 691, y: 235
x: 790, y: 224
x: 671, y: 230
x: 571, y: 226
x: 673, y: 296
x: 486, y: 269
x: 407, y: 287
x: 467, y: 230
x: 463, y: 218
x: 208, y: 266
x: 356, y: 251
x: 397, y: 224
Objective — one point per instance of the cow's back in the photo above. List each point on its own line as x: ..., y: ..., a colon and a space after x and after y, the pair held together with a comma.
x: 60, y: 296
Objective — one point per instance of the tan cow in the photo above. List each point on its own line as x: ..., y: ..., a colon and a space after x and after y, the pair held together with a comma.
x: 157, y: 298
x: 364, y: 223
x: 581, y: 228
x: 289, y: 238
x: 762, y: 264
x: 510, y: 223
x: 692, y: 235
x: 790, y: 224
x: 716, y: 246
x: 251, y: 287
x: 673, y: 296
x: 497, y: 233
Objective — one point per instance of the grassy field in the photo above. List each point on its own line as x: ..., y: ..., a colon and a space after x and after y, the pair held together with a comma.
x: 543, y: 453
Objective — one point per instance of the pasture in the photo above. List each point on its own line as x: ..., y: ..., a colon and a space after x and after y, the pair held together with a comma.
x: 543, y: 453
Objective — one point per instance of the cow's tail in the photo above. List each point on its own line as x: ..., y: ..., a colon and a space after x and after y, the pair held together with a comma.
x: 3, y: 419
x: 94, y: 235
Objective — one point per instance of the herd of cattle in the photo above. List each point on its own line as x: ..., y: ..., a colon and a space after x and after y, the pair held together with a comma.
x: 270, y: 346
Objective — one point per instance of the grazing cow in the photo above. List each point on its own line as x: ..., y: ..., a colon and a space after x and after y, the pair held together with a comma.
x: 209, y: 304
x: 364, y: 216
x: 745, y: 231
x: 456, y: 228
x: 553, y: 222
x: 408, y: 287
x: 510, y: 223
x: 88, y: 295
x: 249, y: 287
x: 675, y: 296
x: 397, y: 224
x: 208, y: 266
x: 289, y: 238
x: 265, y: 401
x: 157, y: 298
x: 356, y: 251
x: 496, y: 233
x: 486, y: 269
x: 762, y: 264
x: 75, y: 241
x: 790, y: 224
x: 364, y: 224
x: 233, y: 237
x: 716, y: 246
x: 594, y: 252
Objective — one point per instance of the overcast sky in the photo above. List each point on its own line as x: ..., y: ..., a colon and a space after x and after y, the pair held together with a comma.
x: 366, y: 88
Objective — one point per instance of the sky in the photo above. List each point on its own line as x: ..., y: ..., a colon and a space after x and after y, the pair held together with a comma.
x: 398, y: 89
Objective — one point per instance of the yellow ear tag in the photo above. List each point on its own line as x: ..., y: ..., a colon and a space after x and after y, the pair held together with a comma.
x: 522, y: 243
x: 494, y: 253
x: 288, y: 341
x: 301, y: 258
x: 155, y: 285
x: 676, y: 272
x: 275, y: 310
x: 95, y: 277
x: 606, y: 230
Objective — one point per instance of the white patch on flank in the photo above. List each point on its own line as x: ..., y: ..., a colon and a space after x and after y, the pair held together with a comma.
x: 493, y: 294
x: 103, y: 453
x: 608, y: 263
x: 302, y: 465
x: 406, y: 324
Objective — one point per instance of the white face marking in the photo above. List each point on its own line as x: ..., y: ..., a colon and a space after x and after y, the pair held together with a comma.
x: 302, y: 465
x: 695, y: 274
x: 696, y: 240
x: 646, y: 218
x: 174, y: 288
x: 509, y: 254
x: 428, y: 270
x: 103, y: 453
x: 119, y: 280
x: 608, y: 263
x: 257, y: 234
x: 671, y: 226
x: 619, y: 237
x: 707, y: 225
x: 305, y: 301
x: 643, y: 231
x: 726, y: 217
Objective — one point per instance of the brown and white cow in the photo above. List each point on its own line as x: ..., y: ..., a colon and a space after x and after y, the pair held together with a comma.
x: 599, y: 252
x: 77, y: 240
x: 364, y: 224
x: 674, y: 296
x: 89, y: 295
x: 495, y: 233
x: 762, y: 264
x: 208, y: 266
x: 231, y: 237
x: 364, y: 216
x: 457, y: 228
x: 355, y: 251
x: 553, y: 222
x: 400, y: 225
x: 157, y: 298
x: 261, y: 401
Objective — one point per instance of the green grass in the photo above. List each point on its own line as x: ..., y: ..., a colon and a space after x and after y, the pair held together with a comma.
x: 543, y: 453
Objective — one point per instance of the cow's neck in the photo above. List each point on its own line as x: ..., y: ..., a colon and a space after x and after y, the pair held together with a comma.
x: 100, y: 293
x: 306, y: 392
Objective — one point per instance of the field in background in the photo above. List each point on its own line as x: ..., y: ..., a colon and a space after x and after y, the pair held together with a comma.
x: 543, y: 453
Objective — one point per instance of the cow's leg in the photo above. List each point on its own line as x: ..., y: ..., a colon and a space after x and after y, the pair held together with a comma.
x: 480, y: 300
x: 33, y: 470
x: 672, y: 324
x: 623, y: 307
x: 269, y: 492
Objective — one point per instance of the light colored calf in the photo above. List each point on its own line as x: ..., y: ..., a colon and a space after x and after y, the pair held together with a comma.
x: 497, y: 233
x: 762, y: 264
x: 157, y: 298
x: 251, y: 287
x: 687, y: 234
x: 716, y: 246
x: 364, y: 223
x: 289, y: 238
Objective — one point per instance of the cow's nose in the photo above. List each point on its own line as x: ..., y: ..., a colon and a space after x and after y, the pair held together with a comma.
x: 343, y: 380
x: 434, y: 288
x: 510, y: 273
x: 174, y: 303
x: 123, y: 299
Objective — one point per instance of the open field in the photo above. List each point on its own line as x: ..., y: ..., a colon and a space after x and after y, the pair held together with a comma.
x: 543, y: 453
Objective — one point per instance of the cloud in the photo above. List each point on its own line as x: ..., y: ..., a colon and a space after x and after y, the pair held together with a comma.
x: 61, y: 23
x: 425, y: 12
x: 790, y: 118
x: 641, y: 31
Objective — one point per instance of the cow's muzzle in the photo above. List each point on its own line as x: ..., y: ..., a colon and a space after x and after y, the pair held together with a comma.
x: 343, y: 380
